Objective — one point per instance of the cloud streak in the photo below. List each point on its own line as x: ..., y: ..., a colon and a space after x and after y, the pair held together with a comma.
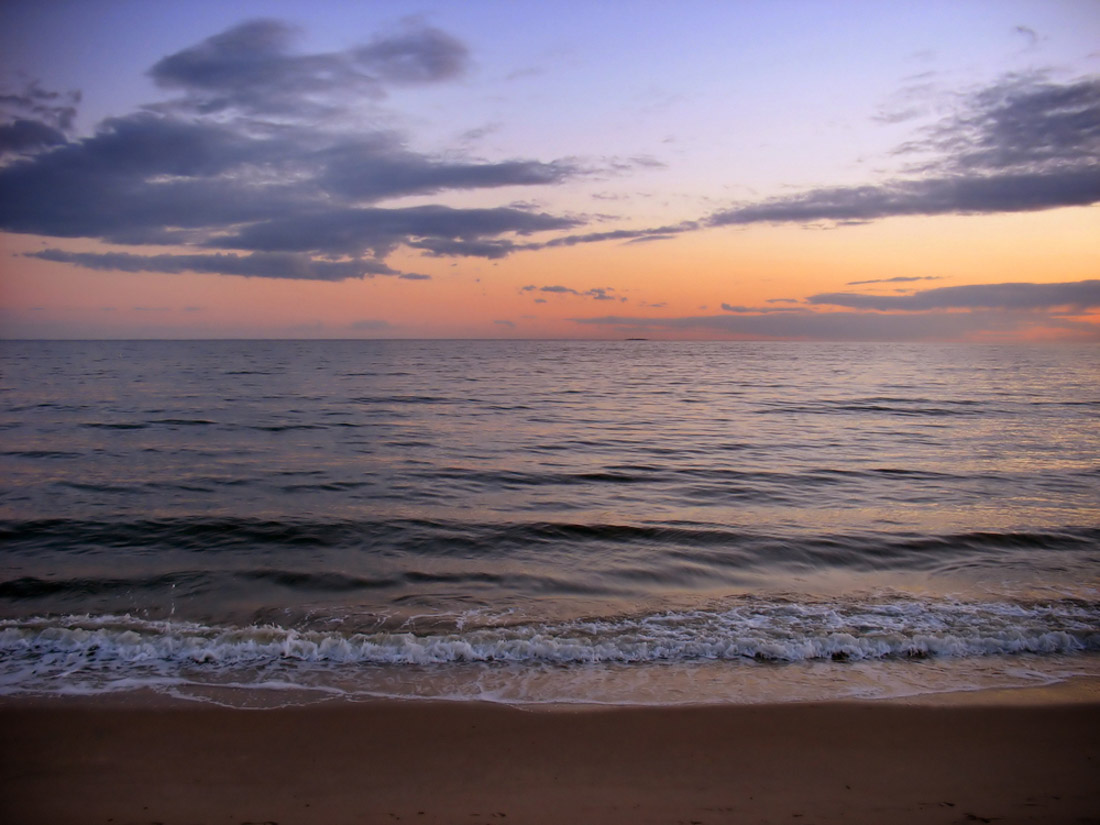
x: 901, y: 279
x: 850, y: 326
x: 1077, y: 296
x: 741, y: 310
x: 258, y: 264
x: 956, y: 195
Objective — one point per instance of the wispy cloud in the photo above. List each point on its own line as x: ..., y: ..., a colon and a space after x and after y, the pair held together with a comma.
x: 1028, y: 33
x: 1022, y: 144
x: 901, y: 279
x: 34, y: 118
x: 555, y: 288
x: 599, y: 293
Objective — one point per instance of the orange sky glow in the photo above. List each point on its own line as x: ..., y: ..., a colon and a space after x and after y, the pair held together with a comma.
x: 438, y: 179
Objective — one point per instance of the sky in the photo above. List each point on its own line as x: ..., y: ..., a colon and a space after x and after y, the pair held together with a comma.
x: 700, y: 170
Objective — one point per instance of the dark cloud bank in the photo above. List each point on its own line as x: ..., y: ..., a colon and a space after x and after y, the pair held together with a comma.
x: 257, y: 161
x: 261, y: 165
x: 947, y: 312
x: 852, y: 326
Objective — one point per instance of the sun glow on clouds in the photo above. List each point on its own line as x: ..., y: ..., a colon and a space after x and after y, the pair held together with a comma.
x: 410, y: 182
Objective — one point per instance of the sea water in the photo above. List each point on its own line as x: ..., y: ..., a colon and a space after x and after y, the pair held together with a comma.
x: 545, y: 522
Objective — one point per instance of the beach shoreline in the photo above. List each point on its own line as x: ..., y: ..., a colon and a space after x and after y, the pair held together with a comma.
x: 1023, y: 756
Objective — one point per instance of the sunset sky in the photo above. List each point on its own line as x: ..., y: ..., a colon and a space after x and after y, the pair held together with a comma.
x: 805, y: 170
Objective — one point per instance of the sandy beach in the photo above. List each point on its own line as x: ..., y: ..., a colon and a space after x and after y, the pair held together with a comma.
x: 1005, y: 758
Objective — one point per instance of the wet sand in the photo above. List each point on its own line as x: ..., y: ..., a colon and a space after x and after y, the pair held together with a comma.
x: 1007, y: 759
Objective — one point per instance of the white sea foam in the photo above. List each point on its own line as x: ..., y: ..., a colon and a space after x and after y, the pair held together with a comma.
x: 91, y: 653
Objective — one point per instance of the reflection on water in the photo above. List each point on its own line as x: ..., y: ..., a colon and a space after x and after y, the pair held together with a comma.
x: 357, y: 485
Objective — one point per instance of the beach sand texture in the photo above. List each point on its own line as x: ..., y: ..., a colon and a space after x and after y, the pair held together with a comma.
x: 114, y: 761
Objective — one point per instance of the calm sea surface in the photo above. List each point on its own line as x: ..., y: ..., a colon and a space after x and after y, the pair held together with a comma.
x: 654, y: 522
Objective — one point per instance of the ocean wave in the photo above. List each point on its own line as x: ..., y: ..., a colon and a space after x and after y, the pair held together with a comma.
x: 40, y: 651
x: 200, y: 532
x: 143, y: 557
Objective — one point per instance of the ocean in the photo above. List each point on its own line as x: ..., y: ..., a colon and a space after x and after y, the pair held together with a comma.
x: 260, y: 523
